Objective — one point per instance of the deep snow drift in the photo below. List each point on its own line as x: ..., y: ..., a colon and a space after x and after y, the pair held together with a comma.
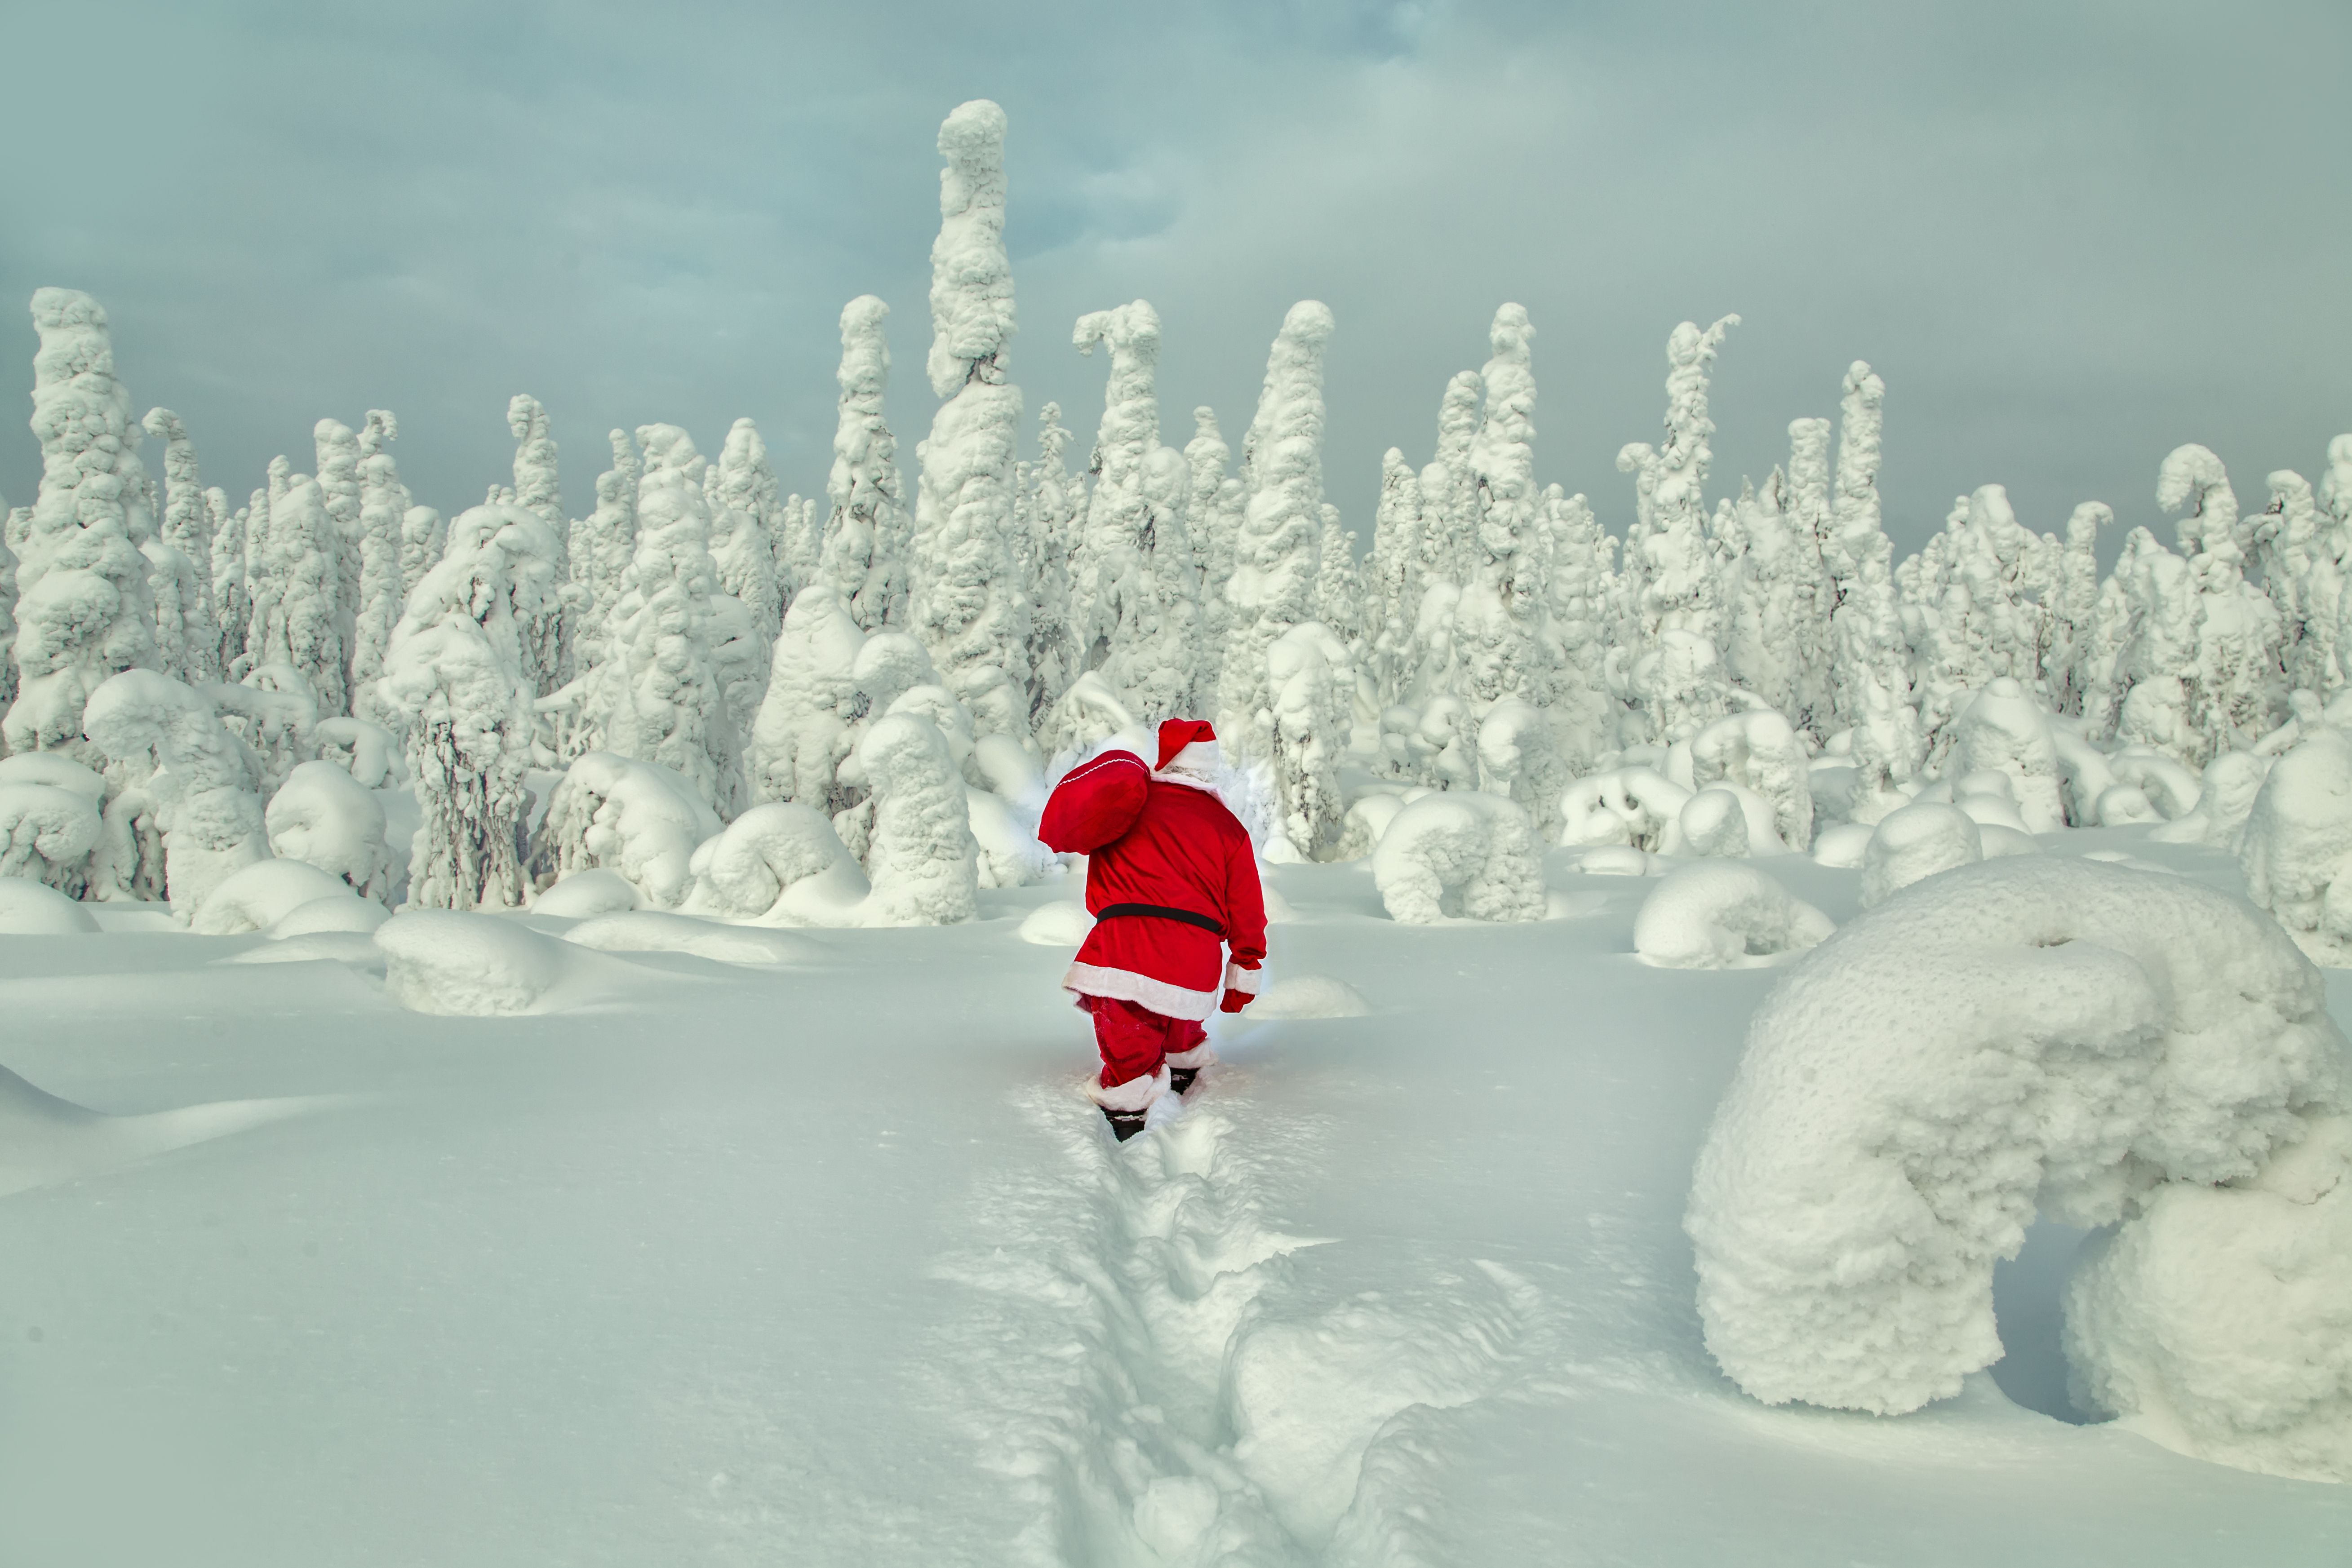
x: 817, y: 1253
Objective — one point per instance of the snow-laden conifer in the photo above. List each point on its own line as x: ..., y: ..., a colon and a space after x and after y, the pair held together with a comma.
x: 232, y: 588
x: 294, y: 600
x: 1396, y: 573
x: 1448, y: 489
x: 603, y: 542
x: 537, y: 487
x: 338, y: 450
x: 455, y: 675
x: 1213, y: 520
x: 1666, y: 552
x: 1289, y: 717
x: 424, y: 534
x: 1583, y: 594
x: 2236, y: 689
x: 1051, y: 500
x: 1501, y: 635
x: 965, y: 604
x: 2074, y: 614
x: 660, y: 696
x: 187, y: 529
x: 384, y: 502
x: 867, y: 535
x: 1134, y: 601
x: 84, y: 610
x: 746, y: 517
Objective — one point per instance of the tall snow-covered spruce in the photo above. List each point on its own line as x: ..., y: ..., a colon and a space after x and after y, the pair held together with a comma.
x: 1293, y: 719
x: 862, y: 556
x: 967, y: 605
x: 84, y: 610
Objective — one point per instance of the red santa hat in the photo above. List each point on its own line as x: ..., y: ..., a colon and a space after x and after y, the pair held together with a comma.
x: 1177, y: 736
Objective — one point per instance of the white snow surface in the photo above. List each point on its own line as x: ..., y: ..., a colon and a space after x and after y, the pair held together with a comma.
x: 831, y: 1263
x: 1721, y: 914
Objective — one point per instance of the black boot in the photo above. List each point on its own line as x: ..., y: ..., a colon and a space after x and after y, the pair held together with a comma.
x: 1180, y: 1079
x: 1124, y: 1125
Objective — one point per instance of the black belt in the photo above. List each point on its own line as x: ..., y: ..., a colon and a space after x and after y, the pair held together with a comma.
x: 1161, y: 912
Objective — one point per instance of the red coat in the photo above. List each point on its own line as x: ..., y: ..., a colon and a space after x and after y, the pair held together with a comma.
x: 1171, y: 846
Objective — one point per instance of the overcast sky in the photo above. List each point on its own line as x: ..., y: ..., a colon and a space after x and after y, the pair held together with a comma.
x: 2070, y: 236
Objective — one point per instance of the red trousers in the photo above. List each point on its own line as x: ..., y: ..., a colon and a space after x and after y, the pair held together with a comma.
x: 1134, y: 1041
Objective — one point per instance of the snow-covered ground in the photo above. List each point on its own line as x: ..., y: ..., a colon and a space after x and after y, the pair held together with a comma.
x: 830, y: 1262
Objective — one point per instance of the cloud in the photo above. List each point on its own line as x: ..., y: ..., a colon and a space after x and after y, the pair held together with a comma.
x: 2070, y: 236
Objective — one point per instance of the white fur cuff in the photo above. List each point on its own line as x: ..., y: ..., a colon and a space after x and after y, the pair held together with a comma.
x: 1135, y: 1095
x: 1240, y: 980
x: 1199, y: 1056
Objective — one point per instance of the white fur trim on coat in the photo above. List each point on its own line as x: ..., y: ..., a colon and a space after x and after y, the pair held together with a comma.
x: 1240, y: 980
x: 1127, y: 985
x: 1135, y: 1095
x: 1201, y: 1055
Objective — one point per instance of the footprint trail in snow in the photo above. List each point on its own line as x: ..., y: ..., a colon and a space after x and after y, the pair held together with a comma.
x: 1140, y: 1353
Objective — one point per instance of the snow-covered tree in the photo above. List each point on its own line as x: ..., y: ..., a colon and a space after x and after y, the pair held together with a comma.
x: 1396, y: 573
x: 1583, y: 575
x: 180, y: 812
x: 1339, y: 603
x: 1667, y: 553
x: 2236, y: 690
x: 2075, y: 615
x: 603, y: 542
x: 455, y: 674
x: 1277, y: 563
x: 1050, y: 502
x: 294, y: 596
x: 1502, y: 640
x: 1134, y: 601
x: 745, y: 517
x: 1449, y: 504
x: 190, y: 630
x: 536, y: 488
x: 384, y: 502
x: 660, y: 696
x: 965, y: 602
x: 863, y: 557
x: 338, y: 450
x: 807, y: 723
x: 84, y: 610
x: 232, y: 588
x: 1212, y: 521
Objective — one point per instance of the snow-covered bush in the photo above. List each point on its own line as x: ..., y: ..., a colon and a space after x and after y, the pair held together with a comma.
x: 368, y: 752
x: 2225, y: 798
x: 47, y: 834
x: 443, y: 961
x: 1760, y: 751
x: 1729, y: 821
x: 1460, y: 855
x: 803, y: 731
x: 1916, y: 842
x: 1844, y: 846
x: 181, y: 814
x: 1311, y: 686
x: 2038, y: 1030
x: 1518, y: 757
x: 261, y: 894
x: 36, y: 909
x: 277, y: 723
x: 638, y: 819
x: 322, y: 816
x: 1722, y: 914
x: 2296, y: 849
x: 1637, y: 806
x: 778, y: 864
x: 2002, y: 729
x: 923, y: 862
x: 585, y: 895
x: 2219, y: 1319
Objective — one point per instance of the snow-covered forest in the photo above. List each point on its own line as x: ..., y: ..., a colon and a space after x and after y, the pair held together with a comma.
x: 494, y: 754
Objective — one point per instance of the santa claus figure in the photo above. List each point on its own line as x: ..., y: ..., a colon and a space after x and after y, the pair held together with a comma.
x: 1171, y: 882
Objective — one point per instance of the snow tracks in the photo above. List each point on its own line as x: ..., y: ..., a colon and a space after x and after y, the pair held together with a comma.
x: 1150, y: 1359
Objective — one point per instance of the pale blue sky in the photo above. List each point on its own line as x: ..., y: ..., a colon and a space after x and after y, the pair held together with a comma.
x: 2070, y: 236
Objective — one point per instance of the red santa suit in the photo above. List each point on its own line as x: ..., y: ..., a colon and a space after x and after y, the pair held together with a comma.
x: 1171, y: 882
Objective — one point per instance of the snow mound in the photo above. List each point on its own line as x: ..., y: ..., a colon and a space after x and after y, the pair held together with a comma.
x: 444, y: 961
x: 1620, y: 860
x: 1636, y: 806
x: 44, y: 1139
x: 2128, y: 860
x: 1729, y: 821
x: 322, y: 816
x: 2232, y: 783
x: 337, y: 913
x: 1916, y: 841
x: 2219, y: 1320
x: 1844, y: 846
x: 1460, y: 855
x: 652, y: 930
x: 639, y: 819
x: 261, y: 894
x: 1722, y: 914
x: 586, y: 893
x: 1309, y: 997
x: 780, y: 864
x: 2297, y: 845
x: 1060, y: 924
x: 2041, y: 1029
x: 35, y: 909
x: 57, y: 771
